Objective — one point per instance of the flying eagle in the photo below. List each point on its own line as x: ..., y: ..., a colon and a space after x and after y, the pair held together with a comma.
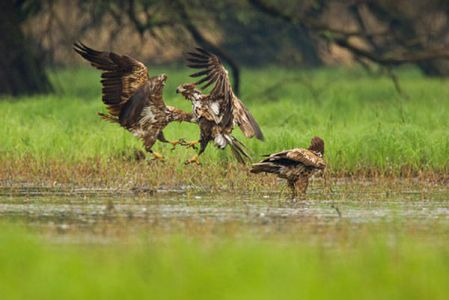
x: 133, y: 99
x: 295, y: 165
x: 219, y: 111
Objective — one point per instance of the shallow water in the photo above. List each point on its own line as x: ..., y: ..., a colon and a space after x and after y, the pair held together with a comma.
x: 104, y: 213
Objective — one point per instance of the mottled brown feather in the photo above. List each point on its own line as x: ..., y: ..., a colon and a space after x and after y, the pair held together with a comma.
x: 307, y: 157
x: 231, y: 108
x: 245, y: 120
x: 122, y: 75
x: 295, y: 165
x: 134, y: 100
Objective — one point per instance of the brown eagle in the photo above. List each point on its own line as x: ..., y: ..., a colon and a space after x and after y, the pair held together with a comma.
x: 133, y: 99
x: 219, y: 111
x: 295, y: 165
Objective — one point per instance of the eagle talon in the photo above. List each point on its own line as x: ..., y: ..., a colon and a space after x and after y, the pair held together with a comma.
x: 193, y: 160
x: 181, y: 142
x: 191, y: 144
x: 157, y: 156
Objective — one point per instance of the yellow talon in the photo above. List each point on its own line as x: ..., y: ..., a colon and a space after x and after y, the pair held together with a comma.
x: 191, y: 144
x: 193, y: 160
x: 174, y: 143
x: 183, y: 142
x: 157, y: 156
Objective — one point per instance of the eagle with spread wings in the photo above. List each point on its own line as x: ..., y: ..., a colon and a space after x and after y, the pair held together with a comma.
x: 133, y: 99
x: 295, y: 165
x: 219, y: 111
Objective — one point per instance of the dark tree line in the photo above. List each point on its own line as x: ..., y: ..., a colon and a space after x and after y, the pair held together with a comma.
x: 387, y: 33
x: 255, y: 32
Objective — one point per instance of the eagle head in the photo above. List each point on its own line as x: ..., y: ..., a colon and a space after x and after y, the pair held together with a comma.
x: 317, y: 145
x: 158, y: 82
x: 189, y: 91
x: 162, y: 78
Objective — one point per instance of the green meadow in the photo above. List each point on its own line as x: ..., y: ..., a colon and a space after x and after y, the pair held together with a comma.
x: 367, y: 126
x: 378, y: 266
x: 82, y: 219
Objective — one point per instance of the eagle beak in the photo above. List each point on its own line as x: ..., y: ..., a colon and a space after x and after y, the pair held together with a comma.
x: 179, y: 90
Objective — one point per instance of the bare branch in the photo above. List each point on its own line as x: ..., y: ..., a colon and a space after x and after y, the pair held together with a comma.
x: 341, y: 38
x: 149, y: 23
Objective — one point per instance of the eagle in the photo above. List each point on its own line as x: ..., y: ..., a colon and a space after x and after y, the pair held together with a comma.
x: 295, y: 165
x: 133, y: 99
x: 219, y: 111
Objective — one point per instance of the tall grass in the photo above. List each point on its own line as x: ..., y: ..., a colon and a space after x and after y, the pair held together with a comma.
x: 365, y: 124
x: 180, y: 268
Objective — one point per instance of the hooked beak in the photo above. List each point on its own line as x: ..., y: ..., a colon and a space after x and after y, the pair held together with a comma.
x: 179, y: 90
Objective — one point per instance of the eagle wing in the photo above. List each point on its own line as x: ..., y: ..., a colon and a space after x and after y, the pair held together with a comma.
x: 130, y: 95
x: 295, y: 156
x: 245, y: 120
x: 122, y: 77
x: 223, y: 102
x: 213, y: 72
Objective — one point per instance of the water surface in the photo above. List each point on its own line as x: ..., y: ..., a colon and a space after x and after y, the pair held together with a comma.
x: 104, y: 213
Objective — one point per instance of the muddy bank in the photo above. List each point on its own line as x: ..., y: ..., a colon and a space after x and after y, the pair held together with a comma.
x: 119, y: 175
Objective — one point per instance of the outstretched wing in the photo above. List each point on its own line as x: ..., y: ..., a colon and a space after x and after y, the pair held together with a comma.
x: 295, y: 156
x: 222, y: 97
x: 213, y: 72
x: 133, y: 99
x: 122, y: 76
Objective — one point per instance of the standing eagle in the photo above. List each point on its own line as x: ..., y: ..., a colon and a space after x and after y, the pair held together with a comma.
x: 295, y: 165
x: 219, y: 111
x: 133, y: 99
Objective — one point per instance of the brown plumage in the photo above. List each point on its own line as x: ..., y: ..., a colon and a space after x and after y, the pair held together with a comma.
x: 295, y: 165
x: 133, y: 99
x: 219, y: 111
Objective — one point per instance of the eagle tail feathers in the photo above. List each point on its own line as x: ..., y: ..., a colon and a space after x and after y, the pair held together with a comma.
x: 238, y: 149
x: 267, y: 167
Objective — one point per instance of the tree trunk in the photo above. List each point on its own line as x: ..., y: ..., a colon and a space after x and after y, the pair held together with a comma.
x: 308, y: 48
x: 435, y: 68
x: 20, y: 71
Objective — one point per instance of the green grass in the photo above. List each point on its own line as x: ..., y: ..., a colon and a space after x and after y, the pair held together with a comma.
x: 364, y: 122
x: 181, y: 268
x: 366, y: 126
